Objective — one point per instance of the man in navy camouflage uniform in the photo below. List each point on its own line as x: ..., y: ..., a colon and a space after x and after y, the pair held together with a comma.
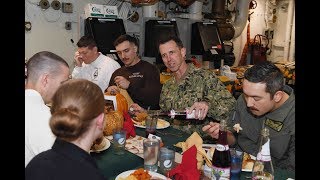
x: 192, y: 88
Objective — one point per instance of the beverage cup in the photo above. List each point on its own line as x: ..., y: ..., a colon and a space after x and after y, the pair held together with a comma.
x: 150, y: 154
x: 119, y: 141
x: 151, y: 125
x: 166, y: 159
x: 236, y: 163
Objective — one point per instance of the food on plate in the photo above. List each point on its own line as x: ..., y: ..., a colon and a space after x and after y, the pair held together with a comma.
x: 141, y: 174
x: 99, y: 143
x: 247, y: 162
x: 237, y: 127
x: 141, y: 116
x: 160, y: 123
x: 258, y: 167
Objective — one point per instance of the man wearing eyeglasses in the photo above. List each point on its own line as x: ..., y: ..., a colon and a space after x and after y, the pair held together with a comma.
x: 93, y: 65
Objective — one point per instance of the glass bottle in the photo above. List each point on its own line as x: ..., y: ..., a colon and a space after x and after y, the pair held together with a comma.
x: 262, y: 168
x: 181, y: 113
x: 221, y: 159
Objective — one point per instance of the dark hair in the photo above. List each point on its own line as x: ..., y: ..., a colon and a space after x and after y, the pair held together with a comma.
x: 165, y: 39
x: 44, y: 62
x: 74, y: 105
x: 126, y: 37
x: 87, y: 41
x: 268, y: 73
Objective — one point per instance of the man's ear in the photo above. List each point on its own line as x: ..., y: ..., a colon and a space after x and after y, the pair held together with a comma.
x: 135, y: 48
x: 183, y: 52
x: 278, y: 96
x: 44, y: 80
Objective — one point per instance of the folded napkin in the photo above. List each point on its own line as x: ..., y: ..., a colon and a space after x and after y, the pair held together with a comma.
x: 187, y: 170
x: 128, y: 125
x: 195, y: 140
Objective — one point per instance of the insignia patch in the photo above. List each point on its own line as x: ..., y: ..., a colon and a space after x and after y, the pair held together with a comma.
x: 95, y: 74
x: 276, y: 125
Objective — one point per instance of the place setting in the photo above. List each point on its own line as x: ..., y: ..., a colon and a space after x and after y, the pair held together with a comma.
x: 139, y: 120
x: 100, y: 144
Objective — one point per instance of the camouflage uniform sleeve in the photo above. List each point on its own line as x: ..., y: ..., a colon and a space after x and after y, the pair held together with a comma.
x: 221, y: 102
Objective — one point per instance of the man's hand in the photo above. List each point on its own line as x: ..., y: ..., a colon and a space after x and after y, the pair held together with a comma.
x: 78, y: 59
x: 113, y: 89
x: 122, y: 82
x: 135, y: 108
x: 212, y: 129
x: 201, y: 109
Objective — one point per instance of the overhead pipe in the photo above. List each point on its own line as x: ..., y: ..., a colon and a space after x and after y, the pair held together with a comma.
x: 287, y: 49
x: 228, y: 29
x: 292, y: 41
x: 241, y: 17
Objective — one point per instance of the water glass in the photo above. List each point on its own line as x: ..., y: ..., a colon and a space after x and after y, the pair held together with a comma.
x: 119, y: 141
x: 150, y: 154
x: 151, y: 125
x: 166, y: 159
x: 236, y: 163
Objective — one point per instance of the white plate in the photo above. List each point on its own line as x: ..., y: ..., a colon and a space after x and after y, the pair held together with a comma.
x: 163, y: 124
x: 127, y: 173
x: 249, y: 170
x: 104, y: 148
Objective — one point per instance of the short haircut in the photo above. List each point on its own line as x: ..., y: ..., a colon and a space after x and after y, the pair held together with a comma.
x: 268, y: 73
x: 126, y: 37
x: 75, y: 105
x: 44, y: 62
x: 87, y: 41
x: 164, y: 39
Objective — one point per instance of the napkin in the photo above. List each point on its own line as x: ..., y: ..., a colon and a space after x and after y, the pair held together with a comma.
x: 197, y: 141
x: 187, y: 170
x: 128, y: 125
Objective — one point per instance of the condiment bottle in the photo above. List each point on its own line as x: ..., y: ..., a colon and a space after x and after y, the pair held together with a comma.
x: 221, y: 159
x: 263, y: 168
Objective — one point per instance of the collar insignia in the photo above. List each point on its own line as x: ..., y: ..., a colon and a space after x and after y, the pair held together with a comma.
x: 275, y: 125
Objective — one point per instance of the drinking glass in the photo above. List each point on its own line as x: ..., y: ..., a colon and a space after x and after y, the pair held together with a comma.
x: 150, y: 154
x: 151, y: 125
x: 166, y: 159
x: 119, y: 141
x: 236, y: 163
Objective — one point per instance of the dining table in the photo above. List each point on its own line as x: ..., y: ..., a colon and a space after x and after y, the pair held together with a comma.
x: 112, y: 165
